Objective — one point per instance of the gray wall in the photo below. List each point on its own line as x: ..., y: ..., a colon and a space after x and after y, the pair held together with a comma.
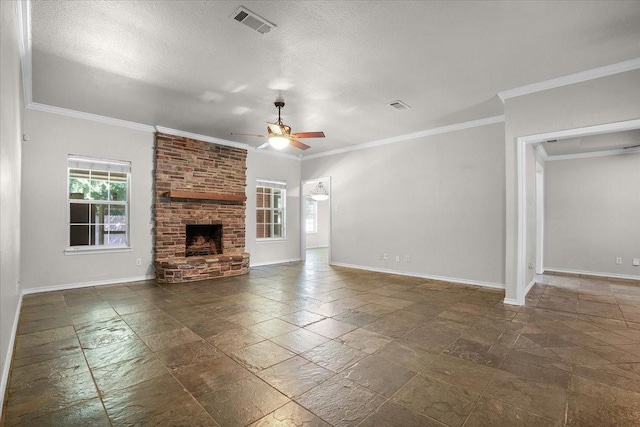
x: 592, y: 214
x: 10, y: 154
x: 604, y: 100
x: 439, y: 199
x: 44, y: 229
x: 44, y: 201
x: 263, y: 165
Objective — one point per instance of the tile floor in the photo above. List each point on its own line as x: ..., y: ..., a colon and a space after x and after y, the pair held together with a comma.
x: 309, y: 344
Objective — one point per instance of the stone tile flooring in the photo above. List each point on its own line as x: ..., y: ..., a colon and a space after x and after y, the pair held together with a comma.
x: 311, y: 344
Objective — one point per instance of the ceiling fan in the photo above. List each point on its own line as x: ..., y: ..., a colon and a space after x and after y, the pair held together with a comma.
x: 279, y: 135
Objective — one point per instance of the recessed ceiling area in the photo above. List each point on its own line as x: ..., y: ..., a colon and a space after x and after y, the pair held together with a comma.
x: 190, y: 66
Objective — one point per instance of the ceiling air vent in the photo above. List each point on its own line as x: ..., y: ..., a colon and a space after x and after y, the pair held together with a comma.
x: 253, y: 21
x: 398, y: 105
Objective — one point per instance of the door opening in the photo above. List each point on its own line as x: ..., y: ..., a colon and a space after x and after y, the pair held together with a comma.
x: 539, y: 218
x: 316, y: 221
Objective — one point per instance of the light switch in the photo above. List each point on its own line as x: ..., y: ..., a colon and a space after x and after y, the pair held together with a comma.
x: 636, y: 262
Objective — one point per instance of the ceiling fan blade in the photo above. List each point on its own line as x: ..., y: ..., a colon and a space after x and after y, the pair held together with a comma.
x: 248, y: 134
x: 266, y: 144
x: 299, y: 144
x: 317, y: 134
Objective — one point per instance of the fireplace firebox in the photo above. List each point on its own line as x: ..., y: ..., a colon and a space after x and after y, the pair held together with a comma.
x: 203, y: 240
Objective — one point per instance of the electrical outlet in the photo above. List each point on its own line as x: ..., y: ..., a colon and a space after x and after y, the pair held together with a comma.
x: 385, y: 257
x: 397, y: 258
x: 619, y: 261
x: 407, y: 258
x: 138, y: 261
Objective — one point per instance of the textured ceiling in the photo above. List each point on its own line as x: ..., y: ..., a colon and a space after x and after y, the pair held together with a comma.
x: 187, y: 65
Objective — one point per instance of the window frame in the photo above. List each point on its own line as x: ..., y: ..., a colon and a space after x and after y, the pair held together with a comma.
x: 93, y: 164
x: 273, y: 185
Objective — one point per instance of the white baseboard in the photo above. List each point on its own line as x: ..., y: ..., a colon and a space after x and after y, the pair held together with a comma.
x: 276, y: 262
x: 422, y: 276
x: 592, y: 273
x: 68, y: 286
x: 511, y: 301
x: 7, y: 363
x: 529, y: 286
x: 317, y: 247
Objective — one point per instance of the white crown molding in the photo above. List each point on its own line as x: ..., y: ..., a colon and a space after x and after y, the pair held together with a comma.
x: 89, y: 116
x: 421, y: 276
x: 225, y: 142
x: 199, y: 137
x: 410, y: 136
x: 582, y: 76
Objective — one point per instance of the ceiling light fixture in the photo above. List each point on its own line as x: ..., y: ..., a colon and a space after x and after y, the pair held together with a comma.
x: 319, y: 193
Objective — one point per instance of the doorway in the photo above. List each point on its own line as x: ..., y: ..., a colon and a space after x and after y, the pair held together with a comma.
x: 316, y: 221
x: 516, y: 295
x: 539, y: 218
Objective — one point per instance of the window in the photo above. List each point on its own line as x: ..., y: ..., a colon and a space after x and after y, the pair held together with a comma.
x: 98, y: 192
x: 270, y: 209
x: 312, y: 216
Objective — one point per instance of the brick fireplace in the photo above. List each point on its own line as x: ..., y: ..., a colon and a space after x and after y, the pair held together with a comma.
x: 199, y: 210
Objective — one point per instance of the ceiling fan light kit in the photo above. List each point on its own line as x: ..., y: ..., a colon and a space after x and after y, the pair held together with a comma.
x: 278, y: 142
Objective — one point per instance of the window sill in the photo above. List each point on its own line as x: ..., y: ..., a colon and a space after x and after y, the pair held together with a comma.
x: 90, y: 250
x: 275, y: 240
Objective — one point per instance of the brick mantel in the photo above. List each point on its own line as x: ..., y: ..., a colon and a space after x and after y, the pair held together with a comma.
x: 197, y: 182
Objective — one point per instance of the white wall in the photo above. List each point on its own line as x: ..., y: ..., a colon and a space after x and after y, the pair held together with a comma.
x: 592, y: 214
x: 10, y: 154
x: 439, y: 199
x: 44, y: 201
x: 321, y: 238
x: 604, y: 100
x: 265, y: 166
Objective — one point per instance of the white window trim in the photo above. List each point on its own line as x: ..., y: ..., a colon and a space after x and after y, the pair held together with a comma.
x: 282, y: 185
x: 104, y: 165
